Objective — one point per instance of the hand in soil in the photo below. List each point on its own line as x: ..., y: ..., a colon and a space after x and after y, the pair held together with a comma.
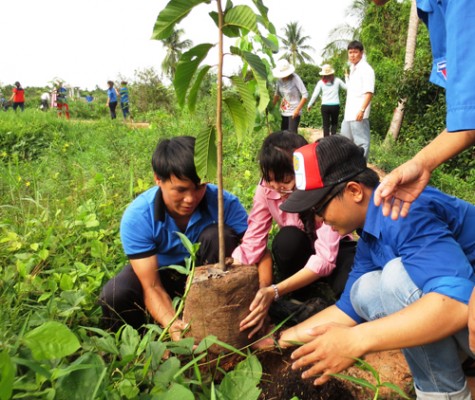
x: 259, y: 309
x: 333, y: 350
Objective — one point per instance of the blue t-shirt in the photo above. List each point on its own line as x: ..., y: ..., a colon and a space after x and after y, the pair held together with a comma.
x: 436, y: 242
x: 147, y: 228
x: 451, y: 30
x: 111, y: 93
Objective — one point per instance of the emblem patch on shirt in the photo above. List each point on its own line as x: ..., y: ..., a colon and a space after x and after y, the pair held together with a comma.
x: 442, y: 69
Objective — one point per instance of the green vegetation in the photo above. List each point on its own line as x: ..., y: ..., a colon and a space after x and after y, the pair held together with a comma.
x: 65, y: 185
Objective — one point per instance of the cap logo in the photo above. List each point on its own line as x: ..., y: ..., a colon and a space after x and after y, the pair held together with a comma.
x: 307, y: 170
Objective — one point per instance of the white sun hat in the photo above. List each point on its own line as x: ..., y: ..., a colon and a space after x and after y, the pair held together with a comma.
x: 283, y: 69
x: 327, y: 70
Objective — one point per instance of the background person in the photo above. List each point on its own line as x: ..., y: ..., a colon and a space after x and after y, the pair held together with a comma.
x: 360, y: 89
x: 45, y: 101
x: 329, y: 87
x: 410, y: 282
x: 18, y: 97
x: 112, y: 95
x: 124, y: 99
x: 179, y: 202
x: 304, y: 250
x: 293, y: 93
x: 62, y: 101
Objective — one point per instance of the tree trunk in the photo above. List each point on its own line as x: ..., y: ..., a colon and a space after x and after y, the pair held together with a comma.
x: 396, y: 122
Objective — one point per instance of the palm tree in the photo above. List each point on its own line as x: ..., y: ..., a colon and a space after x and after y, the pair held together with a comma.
x: 340, y: 36
x: 174, y: 48
x: 294, y: 44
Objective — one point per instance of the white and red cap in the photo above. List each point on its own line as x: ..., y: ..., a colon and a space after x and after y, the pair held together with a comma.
x: 319, y: 167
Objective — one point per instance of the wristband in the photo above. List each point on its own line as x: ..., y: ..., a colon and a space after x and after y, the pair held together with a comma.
x: 276, y: 292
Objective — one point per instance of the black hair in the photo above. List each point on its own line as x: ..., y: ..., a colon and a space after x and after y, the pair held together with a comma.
x: 276, y: 155
x: 355, y: 44
x: 175, y: 156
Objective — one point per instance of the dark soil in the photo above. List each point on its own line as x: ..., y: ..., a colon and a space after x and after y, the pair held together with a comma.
x: 280, y: 382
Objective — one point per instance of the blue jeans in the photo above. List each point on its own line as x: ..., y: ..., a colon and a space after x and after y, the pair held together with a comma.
x: 436, y: 367
x: 358, y: 132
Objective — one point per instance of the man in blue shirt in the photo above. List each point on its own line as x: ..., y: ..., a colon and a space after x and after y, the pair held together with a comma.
x: 411, y: 279
x: 179, y: 203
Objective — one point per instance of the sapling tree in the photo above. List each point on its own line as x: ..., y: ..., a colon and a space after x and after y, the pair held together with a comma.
x: 250, y: 95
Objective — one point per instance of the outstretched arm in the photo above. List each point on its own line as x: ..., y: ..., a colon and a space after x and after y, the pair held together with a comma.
x: 156, y: 299
x: 403, y: 185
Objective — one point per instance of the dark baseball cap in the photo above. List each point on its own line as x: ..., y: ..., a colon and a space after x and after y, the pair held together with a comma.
x: 319, y: 167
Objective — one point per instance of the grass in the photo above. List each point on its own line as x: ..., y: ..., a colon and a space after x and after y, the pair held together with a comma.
x: 64, y: 187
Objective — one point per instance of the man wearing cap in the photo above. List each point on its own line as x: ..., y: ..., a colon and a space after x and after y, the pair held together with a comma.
x: 329, y: 87
x: 410, y: 282
x: 293, y: 93
x: 360, y: 89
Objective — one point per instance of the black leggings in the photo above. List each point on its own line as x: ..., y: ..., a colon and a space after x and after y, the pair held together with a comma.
x: 330, y: 119
x: 291, y: 249
x: 290, y: 124
x: 112, y: 107
x: 122, y: 299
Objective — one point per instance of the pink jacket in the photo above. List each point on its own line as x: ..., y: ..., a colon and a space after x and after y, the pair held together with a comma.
x: 264, y: 211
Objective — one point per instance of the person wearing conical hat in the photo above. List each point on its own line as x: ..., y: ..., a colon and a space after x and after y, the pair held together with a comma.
x: 329, y: 87
x: 291, y: 92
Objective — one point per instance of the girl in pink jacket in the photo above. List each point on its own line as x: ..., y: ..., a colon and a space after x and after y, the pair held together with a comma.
x: 303, y: 250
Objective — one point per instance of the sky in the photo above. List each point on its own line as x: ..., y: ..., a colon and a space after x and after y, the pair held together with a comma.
x: 88, y: 42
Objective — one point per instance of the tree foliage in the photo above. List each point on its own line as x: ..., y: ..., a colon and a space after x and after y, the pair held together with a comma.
x: 294, y: 44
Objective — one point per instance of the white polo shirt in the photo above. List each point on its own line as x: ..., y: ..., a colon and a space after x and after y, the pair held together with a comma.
x: 360, y: 82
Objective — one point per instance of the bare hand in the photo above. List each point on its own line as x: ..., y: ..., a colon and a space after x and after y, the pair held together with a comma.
x: 176, y: 329
x: 360, y: 115
x: 296, y: 114
x: 401, y: 187
x: 258, y: 311
x: 471, y: 322
x: 333, y: 350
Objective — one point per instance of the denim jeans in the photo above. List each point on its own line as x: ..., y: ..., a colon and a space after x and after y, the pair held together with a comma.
x: 436, y: 367
x: 358, y: 132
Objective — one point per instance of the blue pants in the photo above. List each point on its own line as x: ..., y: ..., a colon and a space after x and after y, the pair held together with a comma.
x: 436, y: 367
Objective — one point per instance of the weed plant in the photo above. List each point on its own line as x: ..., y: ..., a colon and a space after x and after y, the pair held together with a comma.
x: 64, y: 187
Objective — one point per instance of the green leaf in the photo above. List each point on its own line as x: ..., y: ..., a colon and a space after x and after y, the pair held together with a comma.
x: 51, y: 340
x: 271, y: 42
x: 263, y: 15
x: 358, y: 381
x: 241, y: 383
x: 264, y: 98
x: 192, y: 96
x: 206, y: 154
x: 186, y: 69
x: 173, y: 13
x: 205, y: 344
x: 396, y: 389
x: 178, y: 268
x: 177, y: 391
x: 228, y: 31
x: 129, y: 341
x: 186, y: 242
x: 247, y: 101
x: 238, y: 115
x: 7, y: 375
x: 166, y: 372
x: 243, y: 17
x: 84, y: 380
x: 254, y: 62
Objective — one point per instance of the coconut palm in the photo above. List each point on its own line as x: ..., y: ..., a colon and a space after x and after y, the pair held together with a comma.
x: 340, y: 36
x: 174, y: 47
x: 294, y: 44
